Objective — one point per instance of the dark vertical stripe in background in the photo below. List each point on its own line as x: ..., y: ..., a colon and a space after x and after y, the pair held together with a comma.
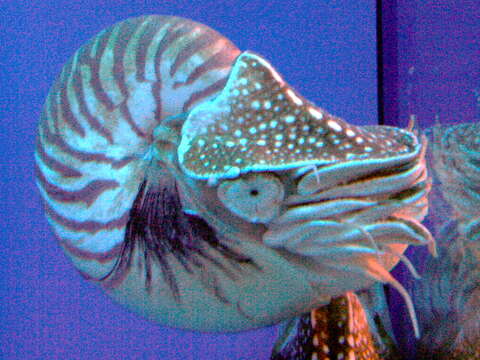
x: 379, y: 24
x: 389, y: 114
x: 387, y: 62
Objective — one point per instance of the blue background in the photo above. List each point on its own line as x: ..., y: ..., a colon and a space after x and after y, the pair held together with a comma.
x: 438, y: 61
x: 325, y: 49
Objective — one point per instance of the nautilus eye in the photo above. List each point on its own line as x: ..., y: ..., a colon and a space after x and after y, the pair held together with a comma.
x: 254, y: 197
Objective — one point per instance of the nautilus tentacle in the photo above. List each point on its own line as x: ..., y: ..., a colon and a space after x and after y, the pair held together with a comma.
x: 339, y: 330
x: 203, y: 192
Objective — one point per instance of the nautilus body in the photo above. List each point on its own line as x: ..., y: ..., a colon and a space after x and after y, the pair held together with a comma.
x: 456, y: 162
x: 201, y: 191
x: 447, y: 298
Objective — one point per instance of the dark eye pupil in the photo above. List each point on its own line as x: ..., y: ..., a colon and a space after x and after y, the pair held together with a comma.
x: 254, y: 192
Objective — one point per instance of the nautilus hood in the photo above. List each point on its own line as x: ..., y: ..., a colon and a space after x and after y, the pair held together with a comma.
x: 260, y: 123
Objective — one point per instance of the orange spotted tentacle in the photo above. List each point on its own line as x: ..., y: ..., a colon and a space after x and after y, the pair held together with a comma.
x: 339, y: 330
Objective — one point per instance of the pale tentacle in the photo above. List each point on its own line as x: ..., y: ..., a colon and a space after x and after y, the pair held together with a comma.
x: 406, y: 261
x: 371, y: 186
x: 320, y: 236
x: 387, y: 250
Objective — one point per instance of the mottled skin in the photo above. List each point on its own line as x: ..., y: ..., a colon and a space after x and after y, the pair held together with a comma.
x: 338, y: 330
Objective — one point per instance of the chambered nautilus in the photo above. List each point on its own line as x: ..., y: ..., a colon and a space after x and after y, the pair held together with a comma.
x: 448, y: 297
x: 201, y: 191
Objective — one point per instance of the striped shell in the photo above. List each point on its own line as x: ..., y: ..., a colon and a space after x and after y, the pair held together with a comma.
x: 201, y: 191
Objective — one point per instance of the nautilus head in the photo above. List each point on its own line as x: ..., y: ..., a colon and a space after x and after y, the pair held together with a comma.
x: 201, y: 191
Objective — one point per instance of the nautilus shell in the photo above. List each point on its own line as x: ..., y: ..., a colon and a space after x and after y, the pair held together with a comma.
x: 201, y: 191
